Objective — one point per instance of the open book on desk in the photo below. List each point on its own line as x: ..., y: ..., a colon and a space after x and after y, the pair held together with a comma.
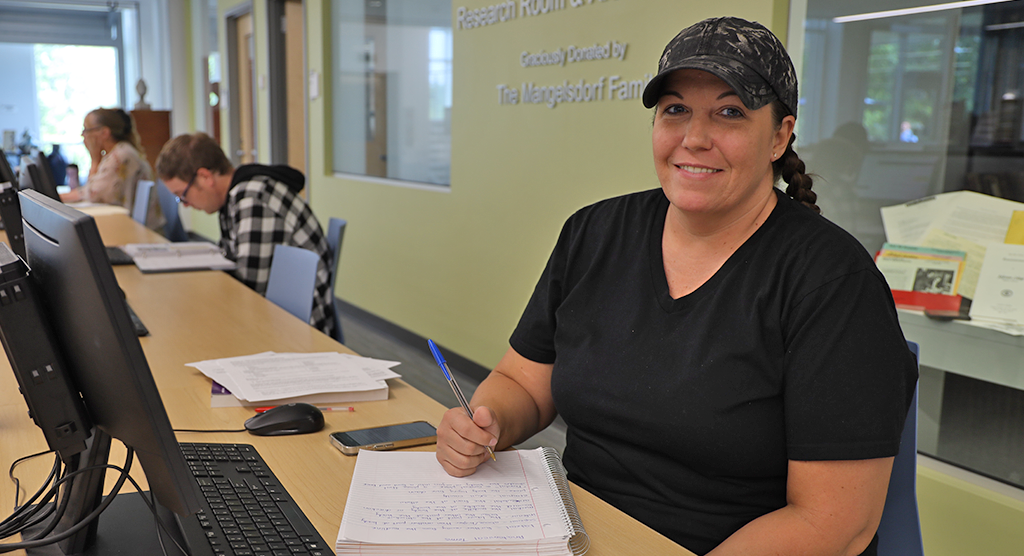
x: 405, y: 503
x: 174, y: 257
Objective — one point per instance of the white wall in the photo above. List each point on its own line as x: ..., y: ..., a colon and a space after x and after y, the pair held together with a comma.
x: 19, y: 108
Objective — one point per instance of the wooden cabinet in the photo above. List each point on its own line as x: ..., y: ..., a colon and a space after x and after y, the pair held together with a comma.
x: 154, y: 130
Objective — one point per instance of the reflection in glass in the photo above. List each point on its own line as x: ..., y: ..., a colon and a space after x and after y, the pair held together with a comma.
x: 392, y: 93
x: 896, y: 109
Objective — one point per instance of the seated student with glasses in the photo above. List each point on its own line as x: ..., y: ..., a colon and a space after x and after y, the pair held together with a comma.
x: 259, y: 207
x: 118, y: 164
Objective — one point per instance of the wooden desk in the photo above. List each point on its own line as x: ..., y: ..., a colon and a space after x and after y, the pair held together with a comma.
x: 194, y: 316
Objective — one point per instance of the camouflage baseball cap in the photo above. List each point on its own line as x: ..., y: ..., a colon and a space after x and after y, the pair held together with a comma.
x: 744, y: 54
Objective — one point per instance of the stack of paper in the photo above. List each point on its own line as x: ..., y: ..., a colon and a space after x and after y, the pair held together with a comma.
x: 974, y: 224
x: 279, y: 378
x: 959, y: 220
x: 173, y: 257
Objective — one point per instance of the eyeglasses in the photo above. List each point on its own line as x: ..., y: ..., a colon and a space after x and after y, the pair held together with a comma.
x: 88, y: 129
x: 184, y: 192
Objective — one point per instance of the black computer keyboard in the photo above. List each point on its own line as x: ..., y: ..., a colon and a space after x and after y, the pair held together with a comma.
x: 247, y: 512
x: 137, y: 325
x: 116, y: 255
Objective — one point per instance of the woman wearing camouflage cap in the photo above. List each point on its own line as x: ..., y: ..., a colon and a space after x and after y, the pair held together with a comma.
x: 729, y: 363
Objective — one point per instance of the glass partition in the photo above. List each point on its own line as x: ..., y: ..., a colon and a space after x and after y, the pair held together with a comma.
x: 392, y: 89
x: 897, y: 108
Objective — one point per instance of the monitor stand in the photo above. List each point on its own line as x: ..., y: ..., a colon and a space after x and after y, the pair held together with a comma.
x: 126, y: 527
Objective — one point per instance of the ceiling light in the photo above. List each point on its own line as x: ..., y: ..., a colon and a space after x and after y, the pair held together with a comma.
x: 911, y: 11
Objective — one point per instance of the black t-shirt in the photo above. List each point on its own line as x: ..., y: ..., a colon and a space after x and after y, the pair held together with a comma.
x: 684, y: 412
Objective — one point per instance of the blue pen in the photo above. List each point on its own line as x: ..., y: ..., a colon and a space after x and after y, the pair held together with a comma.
x: 455, y: 385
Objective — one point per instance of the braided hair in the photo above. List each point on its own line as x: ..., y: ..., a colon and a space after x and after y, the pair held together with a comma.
x: 790, y: 168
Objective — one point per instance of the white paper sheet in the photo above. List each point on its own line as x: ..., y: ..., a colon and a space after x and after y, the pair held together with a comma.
x: 406, y: 497
x: 1000, y: 294
x: 982, y: 219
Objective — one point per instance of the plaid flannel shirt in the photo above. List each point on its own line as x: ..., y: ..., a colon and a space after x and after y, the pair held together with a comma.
x: 262, y: 212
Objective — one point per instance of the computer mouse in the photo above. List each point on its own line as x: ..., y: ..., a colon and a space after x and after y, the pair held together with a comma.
x: 293, y: 418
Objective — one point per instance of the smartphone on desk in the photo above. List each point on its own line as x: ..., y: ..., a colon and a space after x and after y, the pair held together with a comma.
x: 387, y: 437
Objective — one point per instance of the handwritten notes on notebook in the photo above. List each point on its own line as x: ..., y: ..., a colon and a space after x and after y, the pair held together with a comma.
x: 405, y: 503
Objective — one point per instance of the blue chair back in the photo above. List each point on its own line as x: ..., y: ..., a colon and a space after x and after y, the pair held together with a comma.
x: 140, y: 210
x: 335, y: 233
x: 899, y: 533
x: 292, y: 280
x: 173, y: 229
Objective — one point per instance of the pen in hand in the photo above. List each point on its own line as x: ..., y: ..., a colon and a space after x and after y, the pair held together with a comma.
x: 455, y: 385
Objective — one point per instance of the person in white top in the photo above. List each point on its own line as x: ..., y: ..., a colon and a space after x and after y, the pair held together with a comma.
x: 117, y: 160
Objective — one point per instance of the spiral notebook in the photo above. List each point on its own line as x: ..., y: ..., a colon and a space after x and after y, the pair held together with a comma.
x: 405, y: 503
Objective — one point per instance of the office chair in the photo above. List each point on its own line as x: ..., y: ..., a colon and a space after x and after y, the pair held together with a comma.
x: 899, y: 533
x: 335, y: 233
x: 46, y: 172
x: 31, y: 177
x: 292, y: 281
x: 173, y: 229
x: 140, y: 209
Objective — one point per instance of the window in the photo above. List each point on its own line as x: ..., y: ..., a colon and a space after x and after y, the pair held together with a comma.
x: 71, y: 81
x: 89, y: 58
x: 392, y: 93
x: 905, y: 71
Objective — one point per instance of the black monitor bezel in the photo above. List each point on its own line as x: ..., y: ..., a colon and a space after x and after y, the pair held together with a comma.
x: 6, y: 172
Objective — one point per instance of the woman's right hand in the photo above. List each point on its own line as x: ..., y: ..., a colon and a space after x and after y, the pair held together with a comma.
x: 462, y: 442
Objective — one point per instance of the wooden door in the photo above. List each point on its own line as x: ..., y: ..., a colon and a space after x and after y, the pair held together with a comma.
x: 295, y: 91
x: 377, y: 125
x: 246, y: 106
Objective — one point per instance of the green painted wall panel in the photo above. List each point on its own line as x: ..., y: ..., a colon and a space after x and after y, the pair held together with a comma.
x: 459, y: 265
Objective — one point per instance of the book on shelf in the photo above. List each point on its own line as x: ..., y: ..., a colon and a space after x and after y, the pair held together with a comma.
x: 405, y: 503
x: 177, y: 257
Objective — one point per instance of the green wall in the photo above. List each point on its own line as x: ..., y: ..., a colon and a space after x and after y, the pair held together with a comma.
x: 959, y: 518
x: 458, y: 266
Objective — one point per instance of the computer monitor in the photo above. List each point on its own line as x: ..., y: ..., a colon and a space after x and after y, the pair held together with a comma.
x: 104, y: 359
x: 31, y: 177
x: 10, y: 211
x: 6, y: 172
x: 45, y: 170
x: 10, y: 214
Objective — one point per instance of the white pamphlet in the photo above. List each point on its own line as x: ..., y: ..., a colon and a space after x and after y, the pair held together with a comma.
x: 1000, y: 293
